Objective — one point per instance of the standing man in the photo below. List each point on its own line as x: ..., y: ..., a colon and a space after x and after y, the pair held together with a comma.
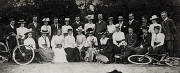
x: 35, y: 28
x: 55, y: 26
x: 122, y: 24
x: 169, y: 29
x: 77, y: 24
x: 134, y: 24
x: 100, y: 25
x: 10, y: 33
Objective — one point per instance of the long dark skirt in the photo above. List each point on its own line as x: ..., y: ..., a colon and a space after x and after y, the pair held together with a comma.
x: 46, y: 54
x: 73, y: 54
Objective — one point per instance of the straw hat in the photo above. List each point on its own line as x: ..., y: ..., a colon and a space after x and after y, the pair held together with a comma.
x: 44, y: 31
x: 22, y: 21
x: 67, y: 19
x: 28, y: 32
x: 46, y: 19
x: 153, y: 17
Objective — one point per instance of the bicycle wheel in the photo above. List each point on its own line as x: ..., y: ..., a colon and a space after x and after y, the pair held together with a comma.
x: 172, y: 61
x: 2, y: 59
x: 139, y: 59
x: 23, y: 56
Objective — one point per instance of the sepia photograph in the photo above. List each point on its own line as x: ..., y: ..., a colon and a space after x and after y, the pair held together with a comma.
x: 89, y: 36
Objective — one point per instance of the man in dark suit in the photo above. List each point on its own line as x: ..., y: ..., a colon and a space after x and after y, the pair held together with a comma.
x: 36, y: 29
x: 77, y: 24
x: 100, y: 26
x: 55, y: 26
x: 10, y: 34
x: 122, y: 24
x: 134, y: 24
x: 169, y: 29
x: 131, y: 38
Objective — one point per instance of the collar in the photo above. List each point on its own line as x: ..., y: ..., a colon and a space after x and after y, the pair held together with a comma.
x: 131, y: 20
x: 12, y: 26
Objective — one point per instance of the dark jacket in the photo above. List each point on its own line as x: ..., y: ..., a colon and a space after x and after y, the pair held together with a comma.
x: 100, y: 27
x: 9, y: 30
x: 135, y: 26
x: 131, y: 40
x: 169, y: 29
x: 54, y: 28
x: 124, y: 27
x: 75, y: 25
x: 36, y: 30
x: 145, y: 40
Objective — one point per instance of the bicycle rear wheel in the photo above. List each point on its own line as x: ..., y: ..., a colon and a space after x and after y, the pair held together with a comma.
x: 139, y: 59
x: 22, y: 55
x: 172, y: 61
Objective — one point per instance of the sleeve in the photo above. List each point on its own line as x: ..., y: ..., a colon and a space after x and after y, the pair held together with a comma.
x: 48, y: 42
x: 161, y: 40
x: 114, y: 39
x: 40, y: 43
x: 74, y: 42
x: 52, y: 42
x: 33, y: 44
x: 135, y: 40
x: 173, y: 27
x: 50, y: 30
x: 17, y: 30
x: 96, y: 42
x: 152, y: 41
x: 85, y: 28
x: 41, y: 28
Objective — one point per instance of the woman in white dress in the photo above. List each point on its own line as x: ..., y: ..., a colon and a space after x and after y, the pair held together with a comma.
x: 57, y: 44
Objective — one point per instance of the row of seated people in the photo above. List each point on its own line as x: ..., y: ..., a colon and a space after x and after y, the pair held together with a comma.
x: 65, y: 48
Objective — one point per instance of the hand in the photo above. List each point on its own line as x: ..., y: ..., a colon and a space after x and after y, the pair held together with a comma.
x: 7, y: 37
x: 141, y: 46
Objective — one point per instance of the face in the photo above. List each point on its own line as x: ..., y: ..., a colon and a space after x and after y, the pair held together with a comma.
x: 117, y: 29
x: 67, y: 22
x: 100, y: 16
x: 70, y: 32
x: 35, y: 19
x: 144, y: 30
x: 131, y: 16
x: 120, y: 18
x: 22, y: 25
x: 144, y: 20
x: 156, y: 31
x: 77, y: 18
x: 110, y: 22
x: 55, y: 20
x: 45, y: 23
x: 153, y: 21
x: 130, y: 30
x: 12, y: 23
x: 29, y: 35
x: 163, y: 15
x: 44, y: 34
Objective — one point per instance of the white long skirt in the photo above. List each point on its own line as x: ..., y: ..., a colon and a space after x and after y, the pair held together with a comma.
x: 59, y: 55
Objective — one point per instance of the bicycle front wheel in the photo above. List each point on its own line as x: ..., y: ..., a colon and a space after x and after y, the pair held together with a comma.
x: 139, y: 59
x: 172, y: 61
x: 23, y: 55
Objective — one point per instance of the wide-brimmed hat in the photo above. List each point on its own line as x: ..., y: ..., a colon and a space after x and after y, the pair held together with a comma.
x: 21, y: 21
x: 153, y: 17
x: 44, y: 31
x: 28, y: 32
x: 46, y: 19
x: 80, y: 28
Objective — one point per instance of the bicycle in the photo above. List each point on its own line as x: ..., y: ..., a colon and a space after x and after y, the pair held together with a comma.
x: 20, y: 54
x: 147, y: 59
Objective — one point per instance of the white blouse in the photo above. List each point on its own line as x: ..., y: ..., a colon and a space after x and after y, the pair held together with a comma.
x: 157, y: 38
x: 48, y: 28
x: 21, y: 31
x: 65, y: 28
x: 69, y: 42
x: 89, y: 25
x: 80, y: 39
x: 118, y: 36
x: 151, y: 27
x: 91, y: 40
x: 103, y: 41
x: 30, y: 42
x: 43, y: 40
x: 57, y: 40
x: 111, y: 28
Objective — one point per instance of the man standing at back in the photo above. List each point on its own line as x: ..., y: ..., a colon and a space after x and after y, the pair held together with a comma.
x: 100, y: 26
x: 169, y: 29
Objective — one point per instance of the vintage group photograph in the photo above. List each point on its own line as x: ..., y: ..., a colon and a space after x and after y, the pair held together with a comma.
x: 89, y: 36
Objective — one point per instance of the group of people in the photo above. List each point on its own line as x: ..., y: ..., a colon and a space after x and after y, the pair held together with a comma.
x: 94, y: 42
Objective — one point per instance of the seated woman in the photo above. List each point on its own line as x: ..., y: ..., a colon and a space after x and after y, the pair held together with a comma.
x: 145, y: 42
x: 44, y: 47
x: 120, y: 49
x: 105, y: 47
x: 157, y: 41
x: 80, y: 41
x: 91, y: 45
x: 71, y: 49
x: 29, y: 41
x: 57, y: 44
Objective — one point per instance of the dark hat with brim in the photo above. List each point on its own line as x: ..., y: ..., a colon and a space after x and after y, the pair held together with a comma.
x: 28, y: 32
x: 44, y: 31
x: 157, y: 27
x: 90, y: 31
